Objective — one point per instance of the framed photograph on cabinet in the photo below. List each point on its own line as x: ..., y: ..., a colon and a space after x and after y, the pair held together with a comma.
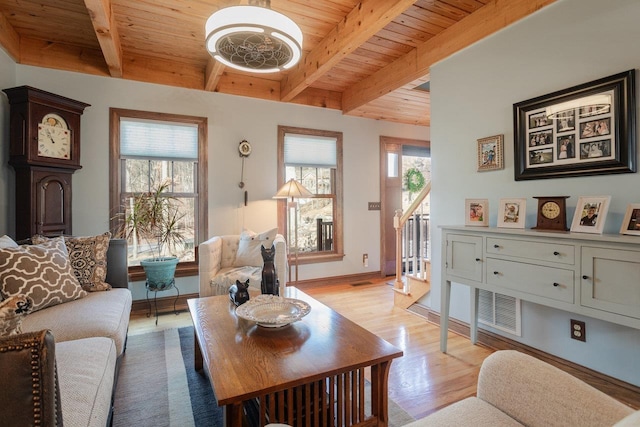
x: 590, y: 215
x: 490, y: 153
x: 631, y: 221
x: 512, y: 213
x: 476, y: 212
x: 589, y: 129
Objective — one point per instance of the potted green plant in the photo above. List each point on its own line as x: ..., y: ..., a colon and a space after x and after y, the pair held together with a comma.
x: 154, y: 218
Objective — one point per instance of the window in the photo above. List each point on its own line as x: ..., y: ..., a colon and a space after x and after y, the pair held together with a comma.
x: 314, y: 158
x: 150, y: 149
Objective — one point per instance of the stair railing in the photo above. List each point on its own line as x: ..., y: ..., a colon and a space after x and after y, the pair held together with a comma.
x: 401, y: 224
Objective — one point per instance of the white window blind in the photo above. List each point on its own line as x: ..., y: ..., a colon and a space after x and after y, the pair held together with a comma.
x: 158, y: 139
x: 311, y: 151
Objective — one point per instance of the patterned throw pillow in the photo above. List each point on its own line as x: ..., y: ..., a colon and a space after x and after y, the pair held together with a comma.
x: 88, y: 256
x: 42, y: 272
x: 12, y: 310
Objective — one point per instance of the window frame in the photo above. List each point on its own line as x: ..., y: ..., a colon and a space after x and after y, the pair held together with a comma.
x: 190, y: 268
x: 337, y: 253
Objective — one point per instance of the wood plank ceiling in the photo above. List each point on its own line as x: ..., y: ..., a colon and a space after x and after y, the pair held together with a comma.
x: 365, y: 58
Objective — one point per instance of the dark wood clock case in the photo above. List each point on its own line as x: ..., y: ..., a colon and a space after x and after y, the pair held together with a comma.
x: 43, y: 185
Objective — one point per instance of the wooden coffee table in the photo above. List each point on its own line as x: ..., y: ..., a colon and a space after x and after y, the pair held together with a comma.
x: 311, y: 372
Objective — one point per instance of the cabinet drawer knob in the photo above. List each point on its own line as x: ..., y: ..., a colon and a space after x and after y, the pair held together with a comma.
x: 585, y: 277
x: 496, y: 272
x: 477, y: 259
x: 496, y: 246
x: 556, y: 284
x: 556, y: 253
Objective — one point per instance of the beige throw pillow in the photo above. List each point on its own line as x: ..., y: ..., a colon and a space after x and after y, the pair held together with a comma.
x: 88, y: 257
x: 42, y: 272
x: 249, y: 252
x: 12, y: 310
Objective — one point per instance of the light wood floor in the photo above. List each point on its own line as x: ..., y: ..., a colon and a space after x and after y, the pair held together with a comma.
x: 421, y: 381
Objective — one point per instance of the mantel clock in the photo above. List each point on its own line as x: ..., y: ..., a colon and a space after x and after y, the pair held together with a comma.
x: 552, y: 213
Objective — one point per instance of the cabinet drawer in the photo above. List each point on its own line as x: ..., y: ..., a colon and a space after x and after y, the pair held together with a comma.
x: 539, y: 251
x: 547, y: 282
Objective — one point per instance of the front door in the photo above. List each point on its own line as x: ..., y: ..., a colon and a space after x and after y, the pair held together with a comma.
x: 391, y: 194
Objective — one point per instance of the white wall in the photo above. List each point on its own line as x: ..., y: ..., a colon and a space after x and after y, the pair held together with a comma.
x: 473, y: 92
x: 231, y: 119
x: 7, y: 194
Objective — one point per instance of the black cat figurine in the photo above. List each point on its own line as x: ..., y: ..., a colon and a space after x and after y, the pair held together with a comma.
x: 270, y: 284
x: 239, y: 293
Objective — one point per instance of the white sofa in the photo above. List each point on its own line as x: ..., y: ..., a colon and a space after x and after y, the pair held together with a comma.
x: 79, y: 345
x: 219, y: 265
x: 515, y: 389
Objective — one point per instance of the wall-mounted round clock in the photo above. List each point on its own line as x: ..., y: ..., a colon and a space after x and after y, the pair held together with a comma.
x: 244, y: 148
x: 552, y: 213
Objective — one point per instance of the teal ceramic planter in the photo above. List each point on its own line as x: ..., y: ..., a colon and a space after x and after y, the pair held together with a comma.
x: 160, y: 273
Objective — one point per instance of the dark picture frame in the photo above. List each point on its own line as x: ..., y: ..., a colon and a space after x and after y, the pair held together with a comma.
x: 589, y: 129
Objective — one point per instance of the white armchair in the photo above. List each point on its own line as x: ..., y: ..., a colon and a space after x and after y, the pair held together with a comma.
x: 225, y: 259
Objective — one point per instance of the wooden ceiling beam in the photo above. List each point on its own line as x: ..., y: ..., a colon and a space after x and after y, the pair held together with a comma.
x: 212, y: 74
x: 106, y: 30
x: 362, y: 23
x: 60, y: 56
x: 490, y: 18
x: 9, y: 39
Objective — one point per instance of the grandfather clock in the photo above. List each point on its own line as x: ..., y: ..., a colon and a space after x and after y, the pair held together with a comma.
x: 44, y: 138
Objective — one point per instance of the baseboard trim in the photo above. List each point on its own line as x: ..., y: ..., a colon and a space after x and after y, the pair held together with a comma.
x: 165, y: 304
x: 626, y: 393
x: 335, y: 280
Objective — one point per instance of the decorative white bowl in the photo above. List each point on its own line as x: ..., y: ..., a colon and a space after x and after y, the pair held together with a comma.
x: 271, y: 311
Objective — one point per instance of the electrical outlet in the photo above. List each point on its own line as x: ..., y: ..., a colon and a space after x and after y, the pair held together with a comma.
x: 365, y: 260
x: 578, y: 330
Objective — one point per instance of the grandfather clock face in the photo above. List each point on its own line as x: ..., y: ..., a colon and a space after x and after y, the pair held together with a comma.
x: 54, y: 137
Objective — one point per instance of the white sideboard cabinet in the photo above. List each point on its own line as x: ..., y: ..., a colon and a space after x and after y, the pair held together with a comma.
x: 593, y: 275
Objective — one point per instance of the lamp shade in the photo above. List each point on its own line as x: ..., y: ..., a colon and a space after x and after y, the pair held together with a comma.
x: 292, y: 189
x: 253, y: 38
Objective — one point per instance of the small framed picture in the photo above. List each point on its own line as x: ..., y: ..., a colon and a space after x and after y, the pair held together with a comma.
x: 477, y: 212
x: 512, y: 212
x: 490, y: 155
x: 590, y: 215
x: 631, y: 221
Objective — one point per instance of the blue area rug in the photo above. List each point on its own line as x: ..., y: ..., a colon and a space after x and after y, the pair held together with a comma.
x: 158, y: 386
x: 204, y: 406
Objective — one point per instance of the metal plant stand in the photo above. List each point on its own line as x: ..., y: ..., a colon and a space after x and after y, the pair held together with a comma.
x: 155, y: 290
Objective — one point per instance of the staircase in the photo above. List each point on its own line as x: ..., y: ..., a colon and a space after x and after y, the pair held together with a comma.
x: 413, y: 267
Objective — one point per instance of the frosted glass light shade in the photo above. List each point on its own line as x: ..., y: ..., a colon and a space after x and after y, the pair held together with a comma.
x: 253, y: 38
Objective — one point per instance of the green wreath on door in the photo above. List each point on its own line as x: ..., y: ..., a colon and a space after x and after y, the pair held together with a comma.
x: 414, y: 180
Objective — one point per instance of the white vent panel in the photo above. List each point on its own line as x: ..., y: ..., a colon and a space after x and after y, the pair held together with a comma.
x: 499, y: 311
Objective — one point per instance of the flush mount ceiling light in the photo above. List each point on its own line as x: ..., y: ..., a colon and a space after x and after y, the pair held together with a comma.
x: 253, y: 38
